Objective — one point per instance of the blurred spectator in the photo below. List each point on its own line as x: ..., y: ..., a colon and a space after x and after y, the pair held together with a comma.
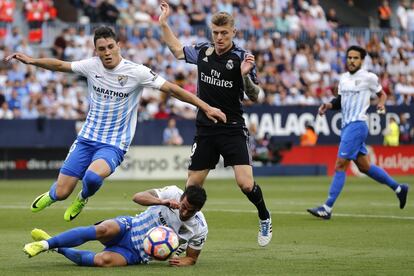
x: 309, y: 137
x: 391, y: 133
x: 384, y: 14
x: 13, y: 38
x: 108, y: 13
x: 60, y: 44
x: 5, y: 112
x: 410, y: 18
x: 162, y: 112
x: 402, y: 16
x: 171, y: 134
x: 406, y: 131
x: 332, y: 19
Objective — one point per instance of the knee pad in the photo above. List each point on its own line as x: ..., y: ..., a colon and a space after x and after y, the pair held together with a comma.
x: 91, y: 183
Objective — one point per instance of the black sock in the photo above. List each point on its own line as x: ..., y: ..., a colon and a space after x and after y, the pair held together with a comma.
x: 256, y: 197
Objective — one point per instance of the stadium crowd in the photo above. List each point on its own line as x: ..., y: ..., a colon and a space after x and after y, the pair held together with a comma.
x: 299, y: 50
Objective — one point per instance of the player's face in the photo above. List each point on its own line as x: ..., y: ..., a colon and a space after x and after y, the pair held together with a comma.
x: 186, y: 210
x: 353, y: 61
x: 108, y: 51
x: 222, y: 37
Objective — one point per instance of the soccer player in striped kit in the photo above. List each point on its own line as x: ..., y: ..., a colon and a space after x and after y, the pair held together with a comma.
x: 114, y: 87
x: 355, y: 89
x: 123, y: 236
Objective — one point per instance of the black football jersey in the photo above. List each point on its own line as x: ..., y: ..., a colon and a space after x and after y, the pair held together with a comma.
x: 220, y: 84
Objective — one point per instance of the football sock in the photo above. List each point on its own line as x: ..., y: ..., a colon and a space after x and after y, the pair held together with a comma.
x: 52, y: 192
x: 79, y: 257
x: 381, y: 176
x: 337, y: 184
x: 256, y: 197
x: 91, y: 184
x: 73, y: 237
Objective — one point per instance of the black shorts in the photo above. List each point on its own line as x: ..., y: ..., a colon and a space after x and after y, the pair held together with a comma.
x: 206, y: 151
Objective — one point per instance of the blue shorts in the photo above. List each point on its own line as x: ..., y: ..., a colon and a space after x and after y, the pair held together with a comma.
x: 353, y: 138
x: 122, y: 244
x: 83, y: 152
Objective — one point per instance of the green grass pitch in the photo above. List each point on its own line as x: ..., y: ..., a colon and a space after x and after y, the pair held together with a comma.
x: 367, y: 235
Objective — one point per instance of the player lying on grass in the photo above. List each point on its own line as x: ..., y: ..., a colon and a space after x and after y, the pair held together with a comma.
x: 115, y: 86
x: 123, y: 236
x: 354, y: 92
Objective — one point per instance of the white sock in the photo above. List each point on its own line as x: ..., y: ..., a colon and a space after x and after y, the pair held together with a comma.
x: 398, y: 190
x: 45, y: 245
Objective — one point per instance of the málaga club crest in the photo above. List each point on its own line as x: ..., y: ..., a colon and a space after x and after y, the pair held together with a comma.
x: 122, y: 79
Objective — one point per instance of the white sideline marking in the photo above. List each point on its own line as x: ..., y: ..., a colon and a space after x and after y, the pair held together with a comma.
x: 138, y: 210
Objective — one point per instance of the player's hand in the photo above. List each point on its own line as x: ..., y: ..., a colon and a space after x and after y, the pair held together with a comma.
x: 247, y: 64
x: 165, y: 12
x: 20, y: 57
x: 381, y: 109
x: 323, y: 108
x: 180, y: 261
x: 216, y: 115
x: 171, y: 203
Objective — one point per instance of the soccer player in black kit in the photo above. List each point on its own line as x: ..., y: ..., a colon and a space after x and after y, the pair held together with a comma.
x: 225, y: 73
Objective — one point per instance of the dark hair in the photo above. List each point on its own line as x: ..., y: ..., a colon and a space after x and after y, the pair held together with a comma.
x: 359, y: 49
x: 196, y: 196
x: 104, y: 32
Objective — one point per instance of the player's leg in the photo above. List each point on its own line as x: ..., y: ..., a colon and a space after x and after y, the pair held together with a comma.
x: 381, y: 176
x: 203, y: 158
x: 74, y: 166
x: 104, y: 231
x: 104, y: 162
x: 244, y: 178
x: 352, y: 139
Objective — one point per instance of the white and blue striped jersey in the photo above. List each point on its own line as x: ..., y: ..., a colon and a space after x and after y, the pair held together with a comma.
x: 114, y: 96
x: 356, y: 90
x: 192, y: 232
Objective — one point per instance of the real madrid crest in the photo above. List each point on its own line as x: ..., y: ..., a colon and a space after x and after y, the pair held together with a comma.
x: 122, y: 79
x: 229, y: 64
x: 209, y: 51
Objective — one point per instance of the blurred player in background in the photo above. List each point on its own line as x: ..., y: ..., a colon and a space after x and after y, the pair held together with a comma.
x: 354, y: 92
x: 114, y: 86
x: 123, y: 236
x: 225, y: 73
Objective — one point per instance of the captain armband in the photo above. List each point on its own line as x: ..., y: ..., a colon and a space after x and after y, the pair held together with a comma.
x: 336, y: 103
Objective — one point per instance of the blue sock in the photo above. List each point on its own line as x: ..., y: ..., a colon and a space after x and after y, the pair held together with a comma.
x: 52, y: 192
x: 73, y: 237
x: 337, y: 184
x: 79, y: 257
x: 91, y: 184
x: 381, y: 176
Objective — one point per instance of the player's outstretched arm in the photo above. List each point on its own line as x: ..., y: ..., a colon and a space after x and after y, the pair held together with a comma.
x: 46, y: 63
x: 150, y: 197
x: 167, y: 34
x: 212, y: 113
x: 190, y: 258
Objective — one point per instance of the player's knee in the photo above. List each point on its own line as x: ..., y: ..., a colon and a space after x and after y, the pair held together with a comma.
x: 103, y: 260
x: 102, y: 230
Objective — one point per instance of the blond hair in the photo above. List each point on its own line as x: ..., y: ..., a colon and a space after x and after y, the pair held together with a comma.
x: 222, y: 19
